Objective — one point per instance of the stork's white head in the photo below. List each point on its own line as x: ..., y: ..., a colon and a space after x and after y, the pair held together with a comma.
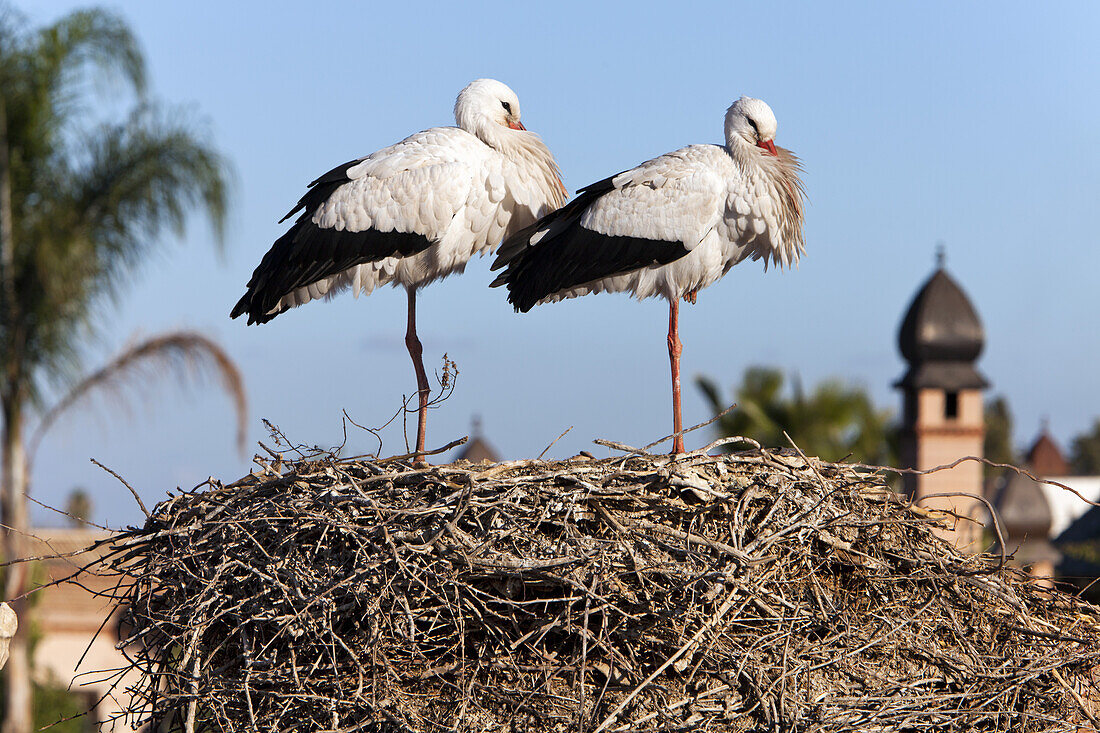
x: 487, y: 102
x: 751, y: 121
x: 490, y: 110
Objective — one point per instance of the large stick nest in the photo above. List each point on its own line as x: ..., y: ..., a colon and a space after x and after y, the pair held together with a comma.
x: 755, y: 591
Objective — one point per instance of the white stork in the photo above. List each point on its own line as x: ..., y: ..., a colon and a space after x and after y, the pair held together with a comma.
x: 667, y: 228
x: 411, y: 214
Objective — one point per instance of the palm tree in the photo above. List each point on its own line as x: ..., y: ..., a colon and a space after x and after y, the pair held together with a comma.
x: 834, y: 421
x: 1085, y: 451
x: 80, y: 208
x: 79, y: 508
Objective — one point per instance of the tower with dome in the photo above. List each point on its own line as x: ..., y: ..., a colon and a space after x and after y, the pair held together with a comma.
x: 941, y: 338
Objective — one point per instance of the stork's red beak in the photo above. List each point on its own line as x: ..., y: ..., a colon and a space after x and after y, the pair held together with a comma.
x: 768, y: 145
x: 517, y: 125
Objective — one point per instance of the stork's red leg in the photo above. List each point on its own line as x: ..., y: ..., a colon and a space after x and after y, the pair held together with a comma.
x: 416, y: 351
x: 674, y: 349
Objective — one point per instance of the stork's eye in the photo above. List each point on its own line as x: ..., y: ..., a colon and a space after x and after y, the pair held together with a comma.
x: 507, y: 107
x: 754, y: 128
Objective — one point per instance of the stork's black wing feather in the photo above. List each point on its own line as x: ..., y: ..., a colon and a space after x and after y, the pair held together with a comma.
x: 321, y: 188
x: 517, y: 244
x: 569, y: 255
x: 308, y: 253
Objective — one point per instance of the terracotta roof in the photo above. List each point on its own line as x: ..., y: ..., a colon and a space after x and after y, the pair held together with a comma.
x: 69, y: 607
x: 50, y: 542
x: 1046, y: 459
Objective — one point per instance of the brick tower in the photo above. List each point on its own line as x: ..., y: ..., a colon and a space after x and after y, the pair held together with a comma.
x: 943, y: 418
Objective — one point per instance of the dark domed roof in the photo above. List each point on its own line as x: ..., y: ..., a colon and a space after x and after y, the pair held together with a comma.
x: 478, y: 450
x: 941, y: 324
x: 1023, y: 508
x: 941, y: 337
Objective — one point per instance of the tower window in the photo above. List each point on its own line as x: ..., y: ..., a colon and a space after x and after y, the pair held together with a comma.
x: 951, y: 405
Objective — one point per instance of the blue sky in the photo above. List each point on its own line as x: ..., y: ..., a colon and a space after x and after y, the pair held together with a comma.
x: 973, y: 124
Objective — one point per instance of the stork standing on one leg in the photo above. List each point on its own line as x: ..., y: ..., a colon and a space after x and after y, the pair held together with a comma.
x: 411, y: 214
x: 668, y: 228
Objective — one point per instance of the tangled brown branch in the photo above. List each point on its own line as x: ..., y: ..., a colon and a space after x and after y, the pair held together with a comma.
x: 759, y: 590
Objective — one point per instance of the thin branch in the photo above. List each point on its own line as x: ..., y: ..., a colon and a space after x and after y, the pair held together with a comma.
x: 685, y: 431
x: 133, y: 491
x: 552, y: 442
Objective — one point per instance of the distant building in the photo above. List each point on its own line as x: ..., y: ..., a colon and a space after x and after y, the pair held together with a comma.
x: 941, y: 338
x: 67, y: 618
x: 943, y: 417
x: 1045, y: 460
x: 1079, y: 545
x: 1074, y: 521
x: 478, y: 449
x: 1023, y: 517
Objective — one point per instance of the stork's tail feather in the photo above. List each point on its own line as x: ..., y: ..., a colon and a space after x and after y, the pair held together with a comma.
x: 514, y: 246
x: 255, y: 315
x: 521, y: 258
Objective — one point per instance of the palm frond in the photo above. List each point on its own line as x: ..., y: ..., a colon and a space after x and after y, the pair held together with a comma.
x: 97, y: 37
x: 142, y: 176
x: 710, y: 390
x: 91, y: 40
x: 92, y: 228
x: 88, y: 206
x: 187, y: 355
x: 45, y: 75
x: 834, y: 419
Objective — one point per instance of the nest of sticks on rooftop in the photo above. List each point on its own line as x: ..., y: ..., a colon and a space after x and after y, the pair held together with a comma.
x: 760, y: 590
